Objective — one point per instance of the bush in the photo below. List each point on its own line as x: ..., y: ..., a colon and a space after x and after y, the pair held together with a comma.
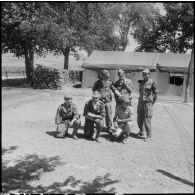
x: 48, y: 77
x: 54, y: 78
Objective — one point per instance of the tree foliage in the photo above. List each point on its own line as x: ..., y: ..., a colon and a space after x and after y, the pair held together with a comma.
x: 172, y: 32
x: 130, y: 17
x: 72, y: 27
x: 21, y: 31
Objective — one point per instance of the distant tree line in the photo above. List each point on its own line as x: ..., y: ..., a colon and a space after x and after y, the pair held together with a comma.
x: 30, y: 28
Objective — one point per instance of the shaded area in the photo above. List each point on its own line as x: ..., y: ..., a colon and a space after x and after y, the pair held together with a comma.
x: 134, y: 135
x: 176, y: 178
x: 77, y: 85
x: 8, y: 150
x: 28, y: 168
x: 16, y: 178
x: 16, y: 82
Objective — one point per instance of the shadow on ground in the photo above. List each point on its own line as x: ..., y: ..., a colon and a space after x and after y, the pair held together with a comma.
x: 17, y: 178
x: 176, y: 178
x: 14, y: 82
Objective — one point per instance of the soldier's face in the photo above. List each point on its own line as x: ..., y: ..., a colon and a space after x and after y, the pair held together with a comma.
x: 68, y: 102
x: 146, y: 76
x: 121, y: 76
x: 95, y: 99
x: 125, y: 105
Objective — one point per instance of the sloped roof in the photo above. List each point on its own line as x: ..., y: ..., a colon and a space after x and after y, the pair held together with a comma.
x: 170, y: 62
x: 173, y: 62
x: 121, y: 59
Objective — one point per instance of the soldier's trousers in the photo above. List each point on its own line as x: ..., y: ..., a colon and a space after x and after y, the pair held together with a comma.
x: 144, y: 116
x: 63, y: 127
x: 92, y: 126
x: 108, y: 117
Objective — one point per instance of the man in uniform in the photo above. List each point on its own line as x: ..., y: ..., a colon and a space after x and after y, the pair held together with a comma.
x: 123, y: 117
x: 67, y: 116
x: 104, y: 86
x: 148, y: 96
x: 94, y: 112
x: 124, y: 86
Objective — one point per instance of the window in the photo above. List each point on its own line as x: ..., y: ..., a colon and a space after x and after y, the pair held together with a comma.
x: 176, y: 79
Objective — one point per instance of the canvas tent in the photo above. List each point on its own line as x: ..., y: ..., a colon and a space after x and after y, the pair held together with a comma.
x: 161, y: 65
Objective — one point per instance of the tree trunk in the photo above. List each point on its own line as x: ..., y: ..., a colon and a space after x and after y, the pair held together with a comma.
x: 29, y: 63
x: 66, y: 53
x: 189, y: 77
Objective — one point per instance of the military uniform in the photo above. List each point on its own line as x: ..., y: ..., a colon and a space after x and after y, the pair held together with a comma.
x: 125, y: 89
x: 63, y: 119
x: 90, y: 122
x: 147, y: 91
x: 124, y: 113
x: 106, y: 97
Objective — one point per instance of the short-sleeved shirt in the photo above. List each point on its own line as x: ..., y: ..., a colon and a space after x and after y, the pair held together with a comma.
x: 147, y: 89
x: 104, y: 90
x: 121, y: 87
x: 64, y: 113
x: 98, y: 109
x: 123, y: 114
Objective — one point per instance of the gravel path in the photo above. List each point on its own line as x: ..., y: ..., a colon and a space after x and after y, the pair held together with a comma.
x: 33, y: 161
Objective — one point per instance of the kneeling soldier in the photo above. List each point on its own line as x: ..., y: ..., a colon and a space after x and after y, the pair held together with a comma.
x: 67, y: 116
x: 94, y: 112
x: 123, y: 117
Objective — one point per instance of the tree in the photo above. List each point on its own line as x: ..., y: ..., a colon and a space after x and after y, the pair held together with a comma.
x: 129, y: 17
x: 189, y: 77
x: 72, y: 27
x: 21, y: 32
x: 172, y: 32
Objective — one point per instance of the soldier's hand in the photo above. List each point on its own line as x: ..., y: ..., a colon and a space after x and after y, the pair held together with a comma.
x: 57, y: 127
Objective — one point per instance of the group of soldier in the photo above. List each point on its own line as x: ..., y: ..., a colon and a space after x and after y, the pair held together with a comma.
x: 99, y: 108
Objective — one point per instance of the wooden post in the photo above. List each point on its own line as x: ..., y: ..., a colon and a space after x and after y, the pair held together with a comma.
x: 189, y: 77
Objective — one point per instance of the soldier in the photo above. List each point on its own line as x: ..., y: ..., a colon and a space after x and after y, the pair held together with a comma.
x: 148, y: 96
x: 104, y: 86
x: 94, y: 112
x: 67, y: 116
x: 124, y: 86
x: 123, y: 117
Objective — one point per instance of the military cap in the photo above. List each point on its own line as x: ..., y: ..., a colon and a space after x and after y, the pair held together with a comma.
x: 120, y: 71
x: 147, y: 71
x: 105, y: 73
x: 96, y: 94
x: 66, y: 96
x: 125, y: 99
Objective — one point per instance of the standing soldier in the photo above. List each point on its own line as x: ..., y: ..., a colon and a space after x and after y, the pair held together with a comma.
x: 148, y: 96
x: 104, y: 86
x: 94, y: 112
x: 67, y: 116
x: 124, y: 86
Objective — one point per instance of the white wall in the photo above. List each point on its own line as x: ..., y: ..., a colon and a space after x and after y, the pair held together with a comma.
x: 162, y: 80
x: 89, y: 77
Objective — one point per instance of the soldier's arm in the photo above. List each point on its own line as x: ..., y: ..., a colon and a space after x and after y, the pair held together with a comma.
x: 75, y: 112
x: 58, y: 118
x: 114, y: 90
x: 129, y: 86
x: 155, y: 91
x: 125, y: 120
x: 94, y: 88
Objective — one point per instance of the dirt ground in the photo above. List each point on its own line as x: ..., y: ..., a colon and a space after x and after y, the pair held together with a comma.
x: 34, y: 161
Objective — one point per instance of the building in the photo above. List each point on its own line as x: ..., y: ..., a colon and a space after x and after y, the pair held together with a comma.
x: 169, y: 70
